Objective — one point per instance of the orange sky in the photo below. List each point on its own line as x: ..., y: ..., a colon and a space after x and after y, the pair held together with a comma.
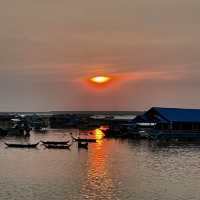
x: 48, y: 50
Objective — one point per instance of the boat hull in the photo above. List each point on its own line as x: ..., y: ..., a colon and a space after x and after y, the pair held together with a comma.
x: 55, y: 142
x: 51, y: 146
x: 85, y: 140
x: 21, y: 145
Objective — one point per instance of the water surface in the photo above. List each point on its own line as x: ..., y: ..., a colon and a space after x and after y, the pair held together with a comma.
x: 110, y: 169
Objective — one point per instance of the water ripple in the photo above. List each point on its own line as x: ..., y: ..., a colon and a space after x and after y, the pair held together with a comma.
x: 111, y: 169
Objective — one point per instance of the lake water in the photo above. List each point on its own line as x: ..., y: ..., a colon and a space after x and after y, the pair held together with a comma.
x: 109, y: 169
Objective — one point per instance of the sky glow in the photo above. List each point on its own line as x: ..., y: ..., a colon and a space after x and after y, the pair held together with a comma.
x: 149, y: 48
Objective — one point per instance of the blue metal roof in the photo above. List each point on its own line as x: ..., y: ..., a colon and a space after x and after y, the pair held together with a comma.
x: 145, y: 119
x: 178, y: 114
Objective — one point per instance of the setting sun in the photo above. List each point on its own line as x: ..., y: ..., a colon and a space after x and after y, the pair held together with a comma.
x: 100, y: 79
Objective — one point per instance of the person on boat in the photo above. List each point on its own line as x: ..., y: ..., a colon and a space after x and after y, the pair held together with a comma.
x: 26, y: 128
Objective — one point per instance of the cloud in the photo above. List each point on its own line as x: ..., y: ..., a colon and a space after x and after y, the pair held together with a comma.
x: 46, y: 46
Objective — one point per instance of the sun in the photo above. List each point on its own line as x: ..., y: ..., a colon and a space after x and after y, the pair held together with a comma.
x: 100, y: 79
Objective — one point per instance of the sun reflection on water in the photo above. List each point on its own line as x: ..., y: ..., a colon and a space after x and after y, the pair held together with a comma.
x: 99, y: 184
x: 99, y: 135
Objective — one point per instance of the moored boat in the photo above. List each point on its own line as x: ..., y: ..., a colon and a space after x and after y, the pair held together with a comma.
x: 18, y: 145
x: 85, y: 140
x: 55, y: 142
x: 56, y: 146
x: 77, y: 139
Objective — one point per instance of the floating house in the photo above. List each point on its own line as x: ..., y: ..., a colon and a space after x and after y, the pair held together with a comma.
x: 172, y: 122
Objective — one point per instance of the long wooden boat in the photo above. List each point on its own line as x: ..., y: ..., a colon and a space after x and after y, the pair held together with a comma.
x: 57, y: 146
x: 77, y: 139
x: 83, y: 139
x: 55, y: 142
x: 16, y: 145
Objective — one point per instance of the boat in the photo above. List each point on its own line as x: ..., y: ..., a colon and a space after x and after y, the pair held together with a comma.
x: 55, y: 142
x: 83, y: 145
x: 17, y: 145
x: 85, y: 140
x: 56, y: 146
x: 77, y: 139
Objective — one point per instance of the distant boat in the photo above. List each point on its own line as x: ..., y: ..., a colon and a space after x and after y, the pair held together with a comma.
x: 55, y: 142
x: 56, y: 146
x: 83, y: 139
x: 16, y: 145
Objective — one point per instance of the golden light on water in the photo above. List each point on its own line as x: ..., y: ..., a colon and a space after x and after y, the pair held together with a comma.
x: 100, y: 79
x: 98, y: 134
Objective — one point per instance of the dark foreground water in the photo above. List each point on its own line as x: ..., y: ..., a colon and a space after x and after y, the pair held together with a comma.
x: 110, y: 169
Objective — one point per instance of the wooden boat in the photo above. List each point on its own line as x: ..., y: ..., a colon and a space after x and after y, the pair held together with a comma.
x: 57, y: 146
x: 83, y: 145
x: 83, y: 139
x: 15, y: 145
x: 55, y: 142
